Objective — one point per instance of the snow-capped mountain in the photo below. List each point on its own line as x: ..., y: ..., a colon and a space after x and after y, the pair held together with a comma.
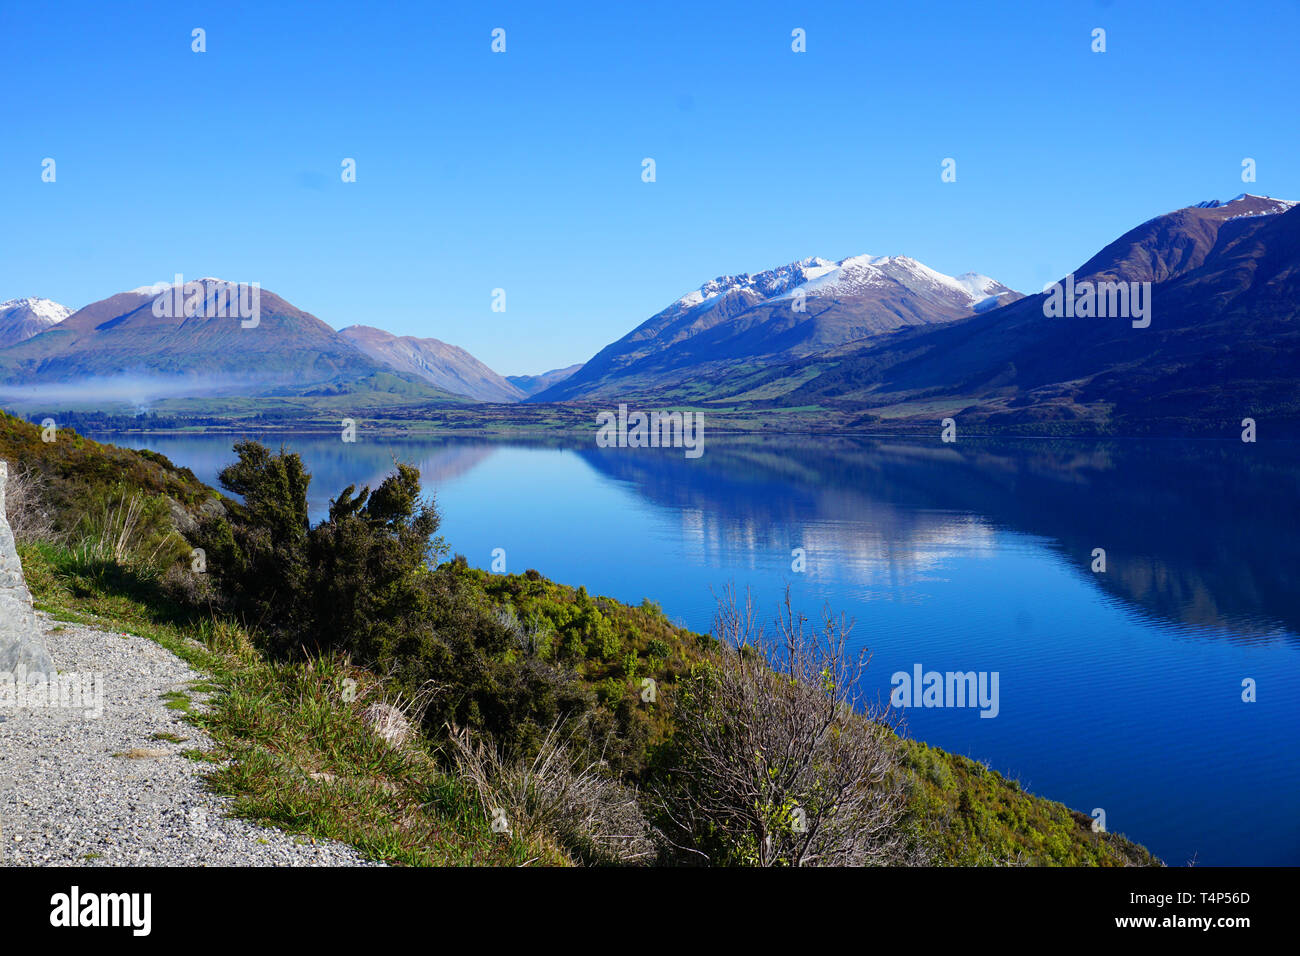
x: 20, y: 319
x: 856, y: 275
x: 1223, y: 341
x: 859, y: 275
x: 793, y: 310
x: 1258, y: 205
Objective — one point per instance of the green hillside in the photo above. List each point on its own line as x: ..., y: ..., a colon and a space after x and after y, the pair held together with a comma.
x: 514, y: 687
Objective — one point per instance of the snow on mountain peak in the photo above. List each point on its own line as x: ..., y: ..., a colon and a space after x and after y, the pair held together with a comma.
x: 855, y: 275
x: 858, y: 275
x: 159, y: 287
x: 766, y: 285
x: 979, y: 285
x: 1270, y: 205
x: 46, y: 310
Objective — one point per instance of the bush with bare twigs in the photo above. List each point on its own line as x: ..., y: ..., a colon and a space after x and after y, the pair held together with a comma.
x: 26, y: 505
x: 576, y: 805
x: 770, y: 763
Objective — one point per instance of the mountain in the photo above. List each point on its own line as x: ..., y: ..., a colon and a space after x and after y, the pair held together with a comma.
x: 1223, y: 341
x: 20, y: 319
x: 145, y: 335
x: 785, y: 313
x: 1175, y: 243
x: 532, y: 384
x: 445, y: 366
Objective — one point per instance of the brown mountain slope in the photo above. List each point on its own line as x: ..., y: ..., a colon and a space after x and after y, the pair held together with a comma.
x: 775, y: 316
x: 444, y: 366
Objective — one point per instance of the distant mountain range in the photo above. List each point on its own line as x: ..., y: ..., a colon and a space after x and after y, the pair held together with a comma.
x: 211, y: 352
x: 121, y: 346
x: 1223, y: 341
x: 532, y: 384
x: 885, y: 340
x: 771, y: 317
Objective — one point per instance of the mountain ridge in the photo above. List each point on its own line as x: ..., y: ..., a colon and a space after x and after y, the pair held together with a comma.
x: 445, y: 366
x: 1223, y: 337
x: 790, y: 311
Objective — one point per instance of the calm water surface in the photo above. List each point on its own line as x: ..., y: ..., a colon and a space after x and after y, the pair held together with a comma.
x: 1119, y: 690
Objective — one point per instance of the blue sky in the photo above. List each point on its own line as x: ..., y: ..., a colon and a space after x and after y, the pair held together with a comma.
x: 522, y: 170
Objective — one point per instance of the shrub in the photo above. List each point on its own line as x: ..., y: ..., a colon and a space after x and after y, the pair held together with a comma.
x: 770, y: 765
x: 27, y: 507
x: 350, y: 584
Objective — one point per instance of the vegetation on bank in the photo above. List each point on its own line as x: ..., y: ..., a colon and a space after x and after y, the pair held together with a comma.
x: 308, y: 415
x: 539, y: 723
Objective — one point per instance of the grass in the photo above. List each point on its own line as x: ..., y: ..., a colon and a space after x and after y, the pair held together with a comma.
x: 289, y: 750
x: 294, y: 754
x: 177, y: 701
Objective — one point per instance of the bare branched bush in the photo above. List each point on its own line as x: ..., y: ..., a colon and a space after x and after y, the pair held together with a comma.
x: 577, y: 806
x: 26, y: 506
x: 772, y: 762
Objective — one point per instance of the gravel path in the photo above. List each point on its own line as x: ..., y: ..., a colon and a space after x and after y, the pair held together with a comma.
x: 112, y: 790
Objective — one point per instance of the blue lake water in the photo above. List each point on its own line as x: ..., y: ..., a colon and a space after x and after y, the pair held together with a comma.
x: 1119, y: 690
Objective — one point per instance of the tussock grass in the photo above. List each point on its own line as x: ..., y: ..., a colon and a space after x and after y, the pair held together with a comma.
x: 124, y: 531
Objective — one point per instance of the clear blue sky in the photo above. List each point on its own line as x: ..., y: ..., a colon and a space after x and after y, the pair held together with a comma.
x: 523, y: 170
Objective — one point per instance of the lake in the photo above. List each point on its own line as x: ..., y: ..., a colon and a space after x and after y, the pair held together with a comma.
x: 1119, y: 690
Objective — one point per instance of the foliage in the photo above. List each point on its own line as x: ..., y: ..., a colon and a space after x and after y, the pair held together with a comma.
x: 517, y: 663
x: 770, y: 763
x: 351, y: 584
x: 553, y: 796
x: 74, y: 470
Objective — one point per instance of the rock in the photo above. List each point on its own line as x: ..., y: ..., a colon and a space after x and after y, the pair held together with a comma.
x: 388, y: 722
x: 20, y: 637
x: 185, y: 522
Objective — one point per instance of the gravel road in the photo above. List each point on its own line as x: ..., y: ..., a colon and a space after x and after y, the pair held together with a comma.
x: 115, y: 790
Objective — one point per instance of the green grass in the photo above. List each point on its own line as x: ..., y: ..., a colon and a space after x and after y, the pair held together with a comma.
x: 277, y: 725
x: 292, y: 753
x: 177, y: 701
